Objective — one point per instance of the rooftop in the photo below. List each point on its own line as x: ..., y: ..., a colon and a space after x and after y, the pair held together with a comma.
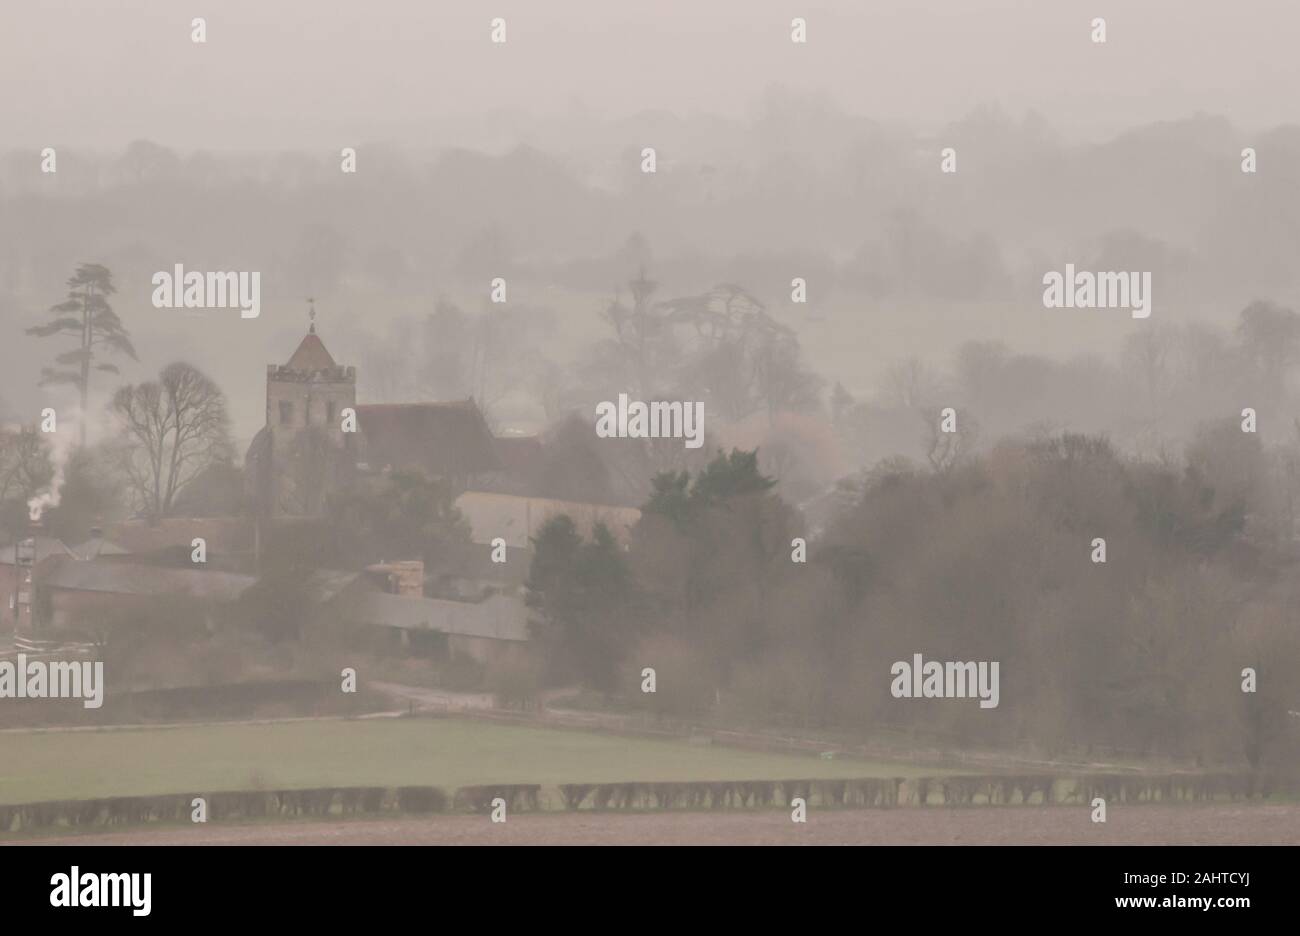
x: 98, y: 546
x: 46, y: 546
x: 499, y: 617
x: 311, y: 355
x: 221, y: 534
x: 449, y: 439
x: 128, y: 578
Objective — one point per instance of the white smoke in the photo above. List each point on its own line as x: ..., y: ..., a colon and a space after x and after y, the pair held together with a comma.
x: 62, y: 442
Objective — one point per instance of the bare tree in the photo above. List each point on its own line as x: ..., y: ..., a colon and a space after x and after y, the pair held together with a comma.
x: 504, y: 354
x: 980, y: 373
x: 909, y: 384
x: 26, y: 469
x: 1146, y: 356
x: 1270, y: 336
x: 172, y: 429
x: 314, y: 468
x: 944, y: 450
x: 642, y: 342
x: 25, y: 465
x: 741, y: 359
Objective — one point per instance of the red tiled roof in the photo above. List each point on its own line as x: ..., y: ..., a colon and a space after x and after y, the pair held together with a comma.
x: 311, y: 355
x: 520, y: 455
x: 440, y: 439
x: 221, y: 534
x: 521, y: 466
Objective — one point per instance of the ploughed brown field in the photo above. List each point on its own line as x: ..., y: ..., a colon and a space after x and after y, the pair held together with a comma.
x: 1201, y: 824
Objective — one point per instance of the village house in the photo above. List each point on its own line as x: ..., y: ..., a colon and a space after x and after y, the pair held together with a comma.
x: 86, y: 595
x: 21, y: 562
x: 468, y: 602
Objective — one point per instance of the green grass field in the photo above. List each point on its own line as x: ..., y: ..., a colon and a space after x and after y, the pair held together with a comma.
x: 446, y: 752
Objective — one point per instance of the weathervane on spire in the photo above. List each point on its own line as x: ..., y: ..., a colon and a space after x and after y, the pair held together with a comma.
x: 311, y: 314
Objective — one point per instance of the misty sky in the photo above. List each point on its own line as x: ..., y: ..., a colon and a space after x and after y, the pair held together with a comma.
x: 588, y: 82
x: 295, y: 73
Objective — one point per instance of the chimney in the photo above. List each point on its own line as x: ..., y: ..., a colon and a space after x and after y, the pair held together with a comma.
x: 404, y: 577
x: 408, y: 577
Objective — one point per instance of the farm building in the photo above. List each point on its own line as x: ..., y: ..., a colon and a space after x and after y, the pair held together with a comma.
x: 80, y: 594
x: 490, y: 630
x: 21, y: 561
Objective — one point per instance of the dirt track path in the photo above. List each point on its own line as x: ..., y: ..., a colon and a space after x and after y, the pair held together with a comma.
x: 1133, y: 825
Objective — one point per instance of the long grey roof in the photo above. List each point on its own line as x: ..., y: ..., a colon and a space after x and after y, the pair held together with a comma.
x: 129, y: 578
x: 501, y: 617
x: 98, y: 546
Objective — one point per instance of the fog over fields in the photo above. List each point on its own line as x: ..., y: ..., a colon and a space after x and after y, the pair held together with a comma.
x: 714, y: 393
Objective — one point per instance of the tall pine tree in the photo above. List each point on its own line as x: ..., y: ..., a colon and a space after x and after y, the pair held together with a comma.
x: 86, y: 316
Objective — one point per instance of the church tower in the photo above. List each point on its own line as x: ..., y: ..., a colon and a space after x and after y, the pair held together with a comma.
x: 302, y: 454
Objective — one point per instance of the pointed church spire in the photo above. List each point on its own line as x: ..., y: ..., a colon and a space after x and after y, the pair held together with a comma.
x: 311, y: 354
